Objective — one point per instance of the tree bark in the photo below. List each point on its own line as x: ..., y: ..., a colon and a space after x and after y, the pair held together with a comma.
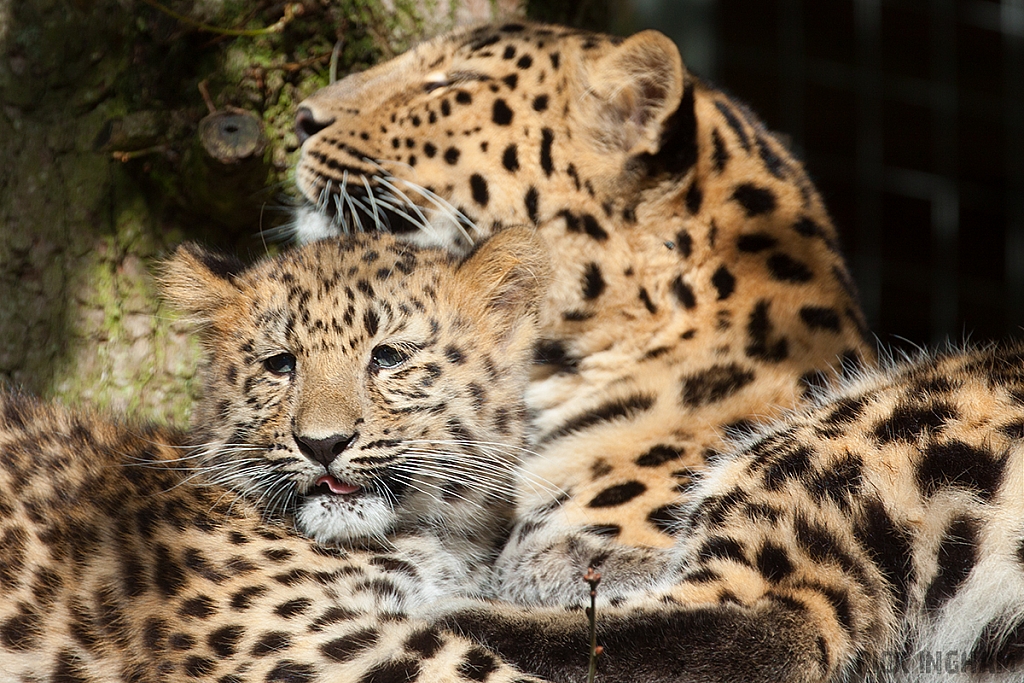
x: 104, y: 169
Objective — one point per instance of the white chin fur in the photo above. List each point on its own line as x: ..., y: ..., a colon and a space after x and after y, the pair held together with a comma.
x: 335, y: 519
x: 311, y: 225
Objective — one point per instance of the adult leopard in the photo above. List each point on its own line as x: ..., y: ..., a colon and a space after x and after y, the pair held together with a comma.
x: 698, y: 284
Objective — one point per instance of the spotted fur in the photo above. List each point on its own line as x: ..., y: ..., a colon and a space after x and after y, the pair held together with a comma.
x: 368, y: 391
x: 697, y: 286
x: 877, y: 535
x: 873, y: 536
x: 131, y: 555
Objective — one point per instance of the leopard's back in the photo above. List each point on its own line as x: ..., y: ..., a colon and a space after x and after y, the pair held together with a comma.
x: 876, y: 535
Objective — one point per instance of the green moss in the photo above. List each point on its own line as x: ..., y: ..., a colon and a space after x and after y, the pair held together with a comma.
x: 81, y: 318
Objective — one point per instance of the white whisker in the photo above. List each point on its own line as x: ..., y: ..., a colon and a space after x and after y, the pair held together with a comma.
x: 399, y: 209
x: 372, y: 200
x: 340, y: 214
x: 383, y: 181
x: 458, y: 218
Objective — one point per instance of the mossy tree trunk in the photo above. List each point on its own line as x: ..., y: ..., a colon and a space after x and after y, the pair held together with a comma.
x: 102, y: 173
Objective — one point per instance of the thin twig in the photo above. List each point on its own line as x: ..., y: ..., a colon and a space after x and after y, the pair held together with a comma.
x: 593, y: 578
x: 291, y: 67
x: 276, y: 27
x: 206, y: 97
x: 125, y: 157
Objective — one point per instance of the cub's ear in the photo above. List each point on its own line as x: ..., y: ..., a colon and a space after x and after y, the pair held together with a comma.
x: 508, y: 274
x: 635, y: 87
x: 198, y: 282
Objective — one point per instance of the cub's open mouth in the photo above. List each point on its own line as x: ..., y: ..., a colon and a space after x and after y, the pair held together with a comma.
x: 328, y: 484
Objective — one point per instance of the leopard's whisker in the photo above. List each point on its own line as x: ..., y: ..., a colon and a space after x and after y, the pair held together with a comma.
x: 351, y: 205
x: 383, y: 181
x: 457, y: 218
x: 372, y: 200
x: 399, y: 209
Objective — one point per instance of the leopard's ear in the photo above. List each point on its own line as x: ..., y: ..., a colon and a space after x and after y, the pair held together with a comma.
x: 198, y: 282
x: 635, y: 88
x: 505, y: 277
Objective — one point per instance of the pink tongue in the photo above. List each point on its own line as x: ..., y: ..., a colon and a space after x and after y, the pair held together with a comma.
x: 336, y: 486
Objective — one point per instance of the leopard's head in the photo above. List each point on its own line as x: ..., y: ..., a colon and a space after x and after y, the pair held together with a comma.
x: 493, y: 126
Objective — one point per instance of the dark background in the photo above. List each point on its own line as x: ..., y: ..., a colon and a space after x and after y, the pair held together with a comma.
x: 909, y: 113
x: 910, y: 117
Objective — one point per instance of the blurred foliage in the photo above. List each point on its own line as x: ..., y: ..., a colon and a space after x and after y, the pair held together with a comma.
x: 100, y: 104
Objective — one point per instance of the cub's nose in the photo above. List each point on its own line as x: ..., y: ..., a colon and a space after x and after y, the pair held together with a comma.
x: 306, y: 124
x: 324, y: 451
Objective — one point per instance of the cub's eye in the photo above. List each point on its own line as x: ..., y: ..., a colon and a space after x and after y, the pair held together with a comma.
x: 281, y: 364
x: 386, y: 357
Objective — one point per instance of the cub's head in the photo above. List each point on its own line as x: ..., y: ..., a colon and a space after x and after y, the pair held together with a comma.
x: 363, y: 385
x: 499, y: 125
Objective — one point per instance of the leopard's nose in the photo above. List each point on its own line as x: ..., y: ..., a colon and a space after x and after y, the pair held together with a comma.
x: 307, y: 125
x: 324, y: 451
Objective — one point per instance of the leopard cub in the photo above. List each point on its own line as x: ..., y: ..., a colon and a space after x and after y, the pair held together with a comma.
x: 355, y: 391
x: 364, y: 390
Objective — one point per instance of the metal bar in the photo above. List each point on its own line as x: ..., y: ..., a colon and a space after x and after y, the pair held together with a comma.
x: 1013, y: 50
x: 867, y: 261
x: 945, y: 218
x: 791, y: 73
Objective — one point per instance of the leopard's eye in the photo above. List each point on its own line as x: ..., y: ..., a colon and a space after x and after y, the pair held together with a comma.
x: 435, y: 80
x: 385, y: 357
x: 281, y: 364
